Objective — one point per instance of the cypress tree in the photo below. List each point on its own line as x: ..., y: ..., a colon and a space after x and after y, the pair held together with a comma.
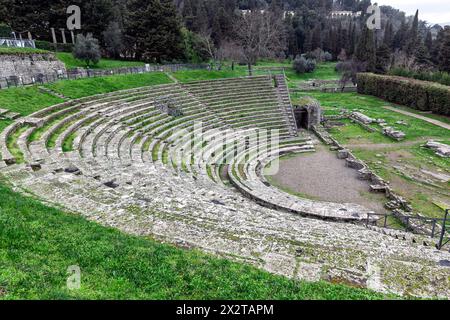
x: 365, y: 50
x: 422, y: 54
x: 388, y: 35
x: 382, y: 58
x: 429, y: 41
x: 412, y: 41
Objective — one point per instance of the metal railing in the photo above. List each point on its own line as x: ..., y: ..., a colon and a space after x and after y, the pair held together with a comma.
x: 445, y: 231
x: 17, y: 43
x: 430, y: 227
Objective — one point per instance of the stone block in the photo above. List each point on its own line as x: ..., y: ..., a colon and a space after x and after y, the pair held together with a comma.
x: 343, y: 154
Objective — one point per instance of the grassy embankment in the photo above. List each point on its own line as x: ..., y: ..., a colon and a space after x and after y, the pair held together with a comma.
x: 71, y: 62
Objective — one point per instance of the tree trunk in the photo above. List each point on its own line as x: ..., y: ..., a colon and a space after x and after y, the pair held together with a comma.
x: 250, y: 71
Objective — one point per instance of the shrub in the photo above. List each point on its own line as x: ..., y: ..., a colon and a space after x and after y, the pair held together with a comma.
x: 114, y: 41
x: 420, y: 95
x: 349, y: 70
x: 87, y: 49
x: 303, y: 65
x: 327, y: 56
x: 319, y: 55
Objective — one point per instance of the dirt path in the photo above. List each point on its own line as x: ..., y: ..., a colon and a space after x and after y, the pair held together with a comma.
x: 378, y: 146
x: 322, y: 176
x: 417, y: 116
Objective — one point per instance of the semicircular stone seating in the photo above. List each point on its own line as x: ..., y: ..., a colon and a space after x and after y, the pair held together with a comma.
x: 195, y: 178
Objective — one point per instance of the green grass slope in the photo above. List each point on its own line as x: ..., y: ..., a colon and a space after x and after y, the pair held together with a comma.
x: 39, y: 243
x: 71, y: 62
x: 325, y: 71
x: 90, y: 86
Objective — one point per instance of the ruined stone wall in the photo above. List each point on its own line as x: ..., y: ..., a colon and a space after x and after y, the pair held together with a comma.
x: 27, y: 66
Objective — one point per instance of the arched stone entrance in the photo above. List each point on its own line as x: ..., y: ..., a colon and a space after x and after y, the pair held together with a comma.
x: 308, y: 113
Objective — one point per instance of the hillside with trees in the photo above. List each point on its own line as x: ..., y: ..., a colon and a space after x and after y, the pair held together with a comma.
x: 213, y: 30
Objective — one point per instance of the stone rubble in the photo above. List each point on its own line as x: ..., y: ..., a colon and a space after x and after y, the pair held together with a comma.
x: 393, y: 133
x: 441, y: 149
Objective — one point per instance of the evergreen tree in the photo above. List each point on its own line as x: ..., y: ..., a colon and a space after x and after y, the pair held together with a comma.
x: 383, y: 57
x: 444, y: 52
x: 307, y: 46
x: 350, y: 46
x: 412, y: 42
x: 422, y: 55
x: 429, y: 41
x: 154, y: 29
x: 401, y: 36
x: 365, y: 50
x: 188, y: 14
x: 316, y: 40
x: 113, y: 38
x: 388, y: 39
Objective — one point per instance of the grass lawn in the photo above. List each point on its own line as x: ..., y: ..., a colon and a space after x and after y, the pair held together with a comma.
x: 39, y: 243
x: 197, y: 75
x: 91, y: 86
x: 26, y: 100
x: 373, y: 107
x: 71, y: 62
x: 325, y: 71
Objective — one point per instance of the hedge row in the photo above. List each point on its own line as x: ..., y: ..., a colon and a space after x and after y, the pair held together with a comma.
x: 420, y: 95
x: 60, y: 47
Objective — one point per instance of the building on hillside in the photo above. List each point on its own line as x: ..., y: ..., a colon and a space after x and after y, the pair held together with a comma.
x: 286, y: 13
x: 344, y: 14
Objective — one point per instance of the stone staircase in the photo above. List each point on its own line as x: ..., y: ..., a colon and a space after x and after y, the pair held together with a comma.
x: 285, y: 102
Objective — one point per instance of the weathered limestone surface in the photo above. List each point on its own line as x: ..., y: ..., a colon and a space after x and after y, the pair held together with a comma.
x: 362, y: 117
x: 395, y: 134
x: 441, y: 149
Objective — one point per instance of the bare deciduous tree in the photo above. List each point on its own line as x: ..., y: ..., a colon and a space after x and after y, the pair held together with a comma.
x: 209, y: 47
x: 260, y: 35
x: 349, y: 70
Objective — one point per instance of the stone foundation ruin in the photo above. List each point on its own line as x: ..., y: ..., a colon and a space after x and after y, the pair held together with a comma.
x: 308, y: 113
x: 23, y: 68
